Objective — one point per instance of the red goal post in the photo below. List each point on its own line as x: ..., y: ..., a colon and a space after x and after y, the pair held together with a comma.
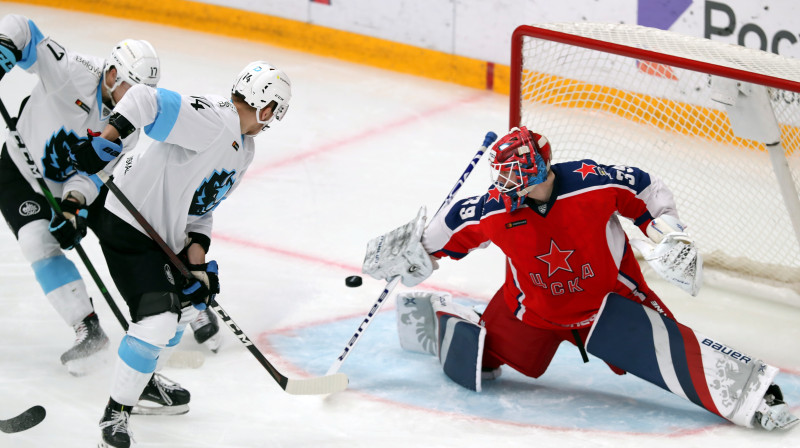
x: 680, y: 108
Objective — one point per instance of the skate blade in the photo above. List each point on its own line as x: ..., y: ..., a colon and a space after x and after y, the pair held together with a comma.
x: 103, y: 444
x: 89, y: 364
x: 214, y: 342
x: 155, y: 409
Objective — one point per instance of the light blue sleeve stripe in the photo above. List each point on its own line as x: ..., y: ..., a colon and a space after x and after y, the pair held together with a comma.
x: 169, y: 105
x: 55, y: 272
x: 29, y: 52
x: 139, y: 355
x: 97, y: 182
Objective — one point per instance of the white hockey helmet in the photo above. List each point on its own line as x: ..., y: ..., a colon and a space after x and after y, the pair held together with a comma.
x: 136, y: 62
x: 260, y: 84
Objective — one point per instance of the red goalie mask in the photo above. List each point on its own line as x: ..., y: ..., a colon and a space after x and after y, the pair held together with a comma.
x: 519, y: 161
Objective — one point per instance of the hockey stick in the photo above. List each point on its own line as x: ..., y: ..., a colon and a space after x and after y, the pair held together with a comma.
x: 54, y: 205
x: 307, y: 386
x: 392, y: 282
x: 488, y: 140
x: 27, y: 420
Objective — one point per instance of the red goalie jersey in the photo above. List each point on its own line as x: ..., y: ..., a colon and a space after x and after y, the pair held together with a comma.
x: 563, y: 256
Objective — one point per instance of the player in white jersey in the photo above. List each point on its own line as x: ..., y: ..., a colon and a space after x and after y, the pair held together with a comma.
x: 203, y: 146
x: 74, y: 92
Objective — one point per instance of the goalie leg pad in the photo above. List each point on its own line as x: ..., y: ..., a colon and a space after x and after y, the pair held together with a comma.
x: 430, y: 322
x: 461, y: 350
x: 674, y: 357
x: 460, y: 340
x: 418, y: 315
x: 416, y: 322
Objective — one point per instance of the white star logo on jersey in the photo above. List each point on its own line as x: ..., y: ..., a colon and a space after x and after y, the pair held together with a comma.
x: 556, y: 259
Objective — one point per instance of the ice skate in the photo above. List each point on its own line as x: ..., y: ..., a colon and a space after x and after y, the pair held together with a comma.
x: 773, y: 412
x: 206, y: 330
x: 114, y: 426
x: 162, y: 396
x: 88, y: 352
x: 489, y: 374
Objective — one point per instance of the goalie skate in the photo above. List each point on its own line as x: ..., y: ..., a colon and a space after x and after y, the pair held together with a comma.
x: 162, y: 396
x: 489, y: 374
x: 773, y: 412
x: 89, y: 351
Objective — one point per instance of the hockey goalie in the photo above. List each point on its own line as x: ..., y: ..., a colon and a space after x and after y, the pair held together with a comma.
x: 571, y: 275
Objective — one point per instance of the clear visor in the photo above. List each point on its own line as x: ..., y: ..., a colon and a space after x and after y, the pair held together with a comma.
x: 278, y: 113
x: 506, y: 176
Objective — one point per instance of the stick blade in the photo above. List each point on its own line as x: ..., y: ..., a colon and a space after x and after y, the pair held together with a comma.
x: 317, y: 386
x: 26, y: 420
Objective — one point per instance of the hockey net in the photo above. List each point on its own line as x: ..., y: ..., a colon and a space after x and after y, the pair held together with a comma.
x: 636, y: 96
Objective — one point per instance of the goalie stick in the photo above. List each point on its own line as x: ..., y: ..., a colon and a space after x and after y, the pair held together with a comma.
x: 392, y: 282
x: 54, y: 205
x: 27, y: 420
x: 306, y: 386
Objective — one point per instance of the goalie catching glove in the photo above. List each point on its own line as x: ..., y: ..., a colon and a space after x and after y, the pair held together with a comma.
x: 674, y: 256
x: 400, y: 253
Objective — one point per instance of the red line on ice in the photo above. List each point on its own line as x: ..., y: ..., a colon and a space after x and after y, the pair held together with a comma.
x: 344, y: 142
x: 255, y: 245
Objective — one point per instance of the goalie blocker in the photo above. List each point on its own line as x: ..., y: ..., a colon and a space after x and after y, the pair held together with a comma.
x: 729, y: 383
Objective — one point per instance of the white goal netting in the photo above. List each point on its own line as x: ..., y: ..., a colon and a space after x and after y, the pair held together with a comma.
x: 630, y: 95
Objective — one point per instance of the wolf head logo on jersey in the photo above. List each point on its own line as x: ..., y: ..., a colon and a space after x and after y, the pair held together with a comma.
x: 55, y: 162
x: 212, y: 192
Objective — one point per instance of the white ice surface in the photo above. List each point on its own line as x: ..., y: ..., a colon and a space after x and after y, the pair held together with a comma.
x: 359, y: 151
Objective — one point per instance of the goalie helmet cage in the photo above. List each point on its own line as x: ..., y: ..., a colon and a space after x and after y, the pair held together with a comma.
x: 637, y: 96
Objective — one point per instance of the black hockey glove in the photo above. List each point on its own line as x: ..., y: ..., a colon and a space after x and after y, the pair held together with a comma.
x: 68, y: 233
x: 201, y: 289
x: 9, y: 55
x: 93, y: 153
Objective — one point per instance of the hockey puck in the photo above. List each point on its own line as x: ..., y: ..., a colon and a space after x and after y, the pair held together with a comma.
x: 353, y: 281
